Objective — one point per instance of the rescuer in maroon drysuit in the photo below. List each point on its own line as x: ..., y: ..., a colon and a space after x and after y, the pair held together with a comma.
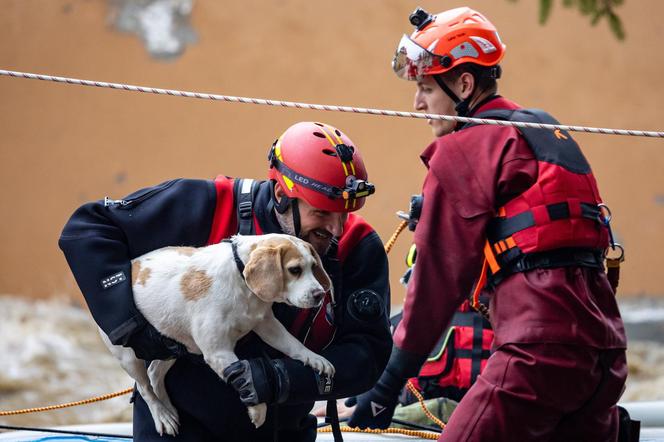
x: 516, y: 211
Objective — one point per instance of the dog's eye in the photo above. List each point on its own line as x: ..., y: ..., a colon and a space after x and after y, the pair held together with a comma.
x: 295, y: 270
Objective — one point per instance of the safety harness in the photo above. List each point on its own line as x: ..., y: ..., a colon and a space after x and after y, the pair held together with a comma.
x: 559, y: 221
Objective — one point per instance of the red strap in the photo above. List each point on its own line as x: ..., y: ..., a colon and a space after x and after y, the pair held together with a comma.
x: 224, y: 223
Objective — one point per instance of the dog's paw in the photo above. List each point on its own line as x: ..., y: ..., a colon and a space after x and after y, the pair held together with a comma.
x: 257, y: 414
x: 319, y: 363
x: 166, y: 420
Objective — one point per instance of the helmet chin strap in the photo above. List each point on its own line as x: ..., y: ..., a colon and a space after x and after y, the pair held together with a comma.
x: 462, y: 106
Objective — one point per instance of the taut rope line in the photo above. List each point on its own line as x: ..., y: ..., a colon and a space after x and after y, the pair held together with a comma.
x: 326, y: 107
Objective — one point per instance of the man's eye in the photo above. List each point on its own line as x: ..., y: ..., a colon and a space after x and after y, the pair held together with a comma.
x: 295, y: 270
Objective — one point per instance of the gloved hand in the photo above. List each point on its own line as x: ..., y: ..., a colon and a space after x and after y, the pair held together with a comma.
x: 150, y: 345
x: 259, y: 380
x: 375, y: 408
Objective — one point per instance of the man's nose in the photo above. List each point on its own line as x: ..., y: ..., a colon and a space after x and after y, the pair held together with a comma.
x: 336, y: 224
x: 418, y: 103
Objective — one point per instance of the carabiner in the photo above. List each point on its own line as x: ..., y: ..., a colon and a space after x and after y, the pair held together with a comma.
x: 604, y: 215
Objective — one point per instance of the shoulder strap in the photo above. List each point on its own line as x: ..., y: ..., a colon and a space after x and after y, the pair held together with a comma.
x: 551, y: 146
x: 244, y: 190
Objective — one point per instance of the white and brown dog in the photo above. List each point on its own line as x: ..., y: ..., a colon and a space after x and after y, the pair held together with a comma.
x: 198, y: 297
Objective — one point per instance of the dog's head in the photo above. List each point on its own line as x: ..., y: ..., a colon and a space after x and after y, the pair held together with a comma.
x: 284, y: 268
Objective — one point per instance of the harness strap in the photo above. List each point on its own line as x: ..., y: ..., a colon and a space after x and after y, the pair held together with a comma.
x: 477, y: 353
x: 501, y: 227
x: 244, y: 191
x: 565, y: 257
x: 332, y: 418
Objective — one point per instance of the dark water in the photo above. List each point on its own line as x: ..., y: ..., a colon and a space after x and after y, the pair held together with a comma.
x: 51, y: 353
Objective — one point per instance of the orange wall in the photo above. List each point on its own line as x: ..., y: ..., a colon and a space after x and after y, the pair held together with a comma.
x: 64, y: 145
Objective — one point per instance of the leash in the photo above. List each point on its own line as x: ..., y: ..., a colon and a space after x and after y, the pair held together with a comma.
x: 328, y: 107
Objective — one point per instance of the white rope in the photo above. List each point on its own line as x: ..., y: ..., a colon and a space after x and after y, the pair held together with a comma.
x: 325, y: 107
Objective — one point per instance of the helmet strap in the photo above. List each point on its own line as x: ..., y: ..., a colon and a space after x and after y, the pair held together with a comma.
x: 297, y: 226
x: 461, y: 105
x: 282, y: 205
x: 446, y: 89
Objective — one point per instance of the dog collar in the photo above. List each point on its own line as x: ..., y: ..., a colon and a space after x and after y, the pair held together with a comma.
x: 236, y: 257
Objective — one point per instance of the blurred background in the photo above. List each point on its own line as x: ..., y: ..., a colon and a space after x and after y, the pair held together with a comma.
x: 62, y: 145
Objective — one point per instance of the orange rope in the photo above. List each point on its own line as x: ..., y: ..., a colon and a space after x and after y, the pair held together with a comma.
x: 69, y: 404
x: 419, y: 397
x: 413, y: 433
x: 390, y: 242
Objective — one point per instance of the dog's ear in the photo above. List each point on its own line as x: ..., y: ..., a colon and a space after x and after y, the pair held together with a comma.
x: 264, y: 273
x: 319, y: 271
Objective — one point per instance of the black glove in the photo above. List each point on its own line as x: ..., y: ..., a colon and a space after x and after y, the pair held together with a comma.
x: 375, y: 408
x: 150, y: 345
x: 259, y: 380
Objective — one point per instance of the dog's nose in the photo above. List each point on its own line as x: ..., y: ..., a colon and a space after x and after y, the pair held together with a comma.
x: 318, y: 297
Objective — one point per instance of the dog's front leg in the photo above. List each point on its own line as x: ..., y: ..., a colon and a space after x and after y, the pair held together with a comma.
x: 275, y: 334
x: 219, y: 355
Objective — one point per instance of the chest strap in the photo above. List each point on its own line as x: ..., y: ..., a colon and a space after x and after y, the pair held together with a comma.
x: 244, y: 191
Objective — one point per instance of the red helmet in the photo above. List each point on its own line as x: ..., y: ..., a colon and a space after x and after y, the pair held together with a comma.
x: 319, y: 164
x: 441, y: 42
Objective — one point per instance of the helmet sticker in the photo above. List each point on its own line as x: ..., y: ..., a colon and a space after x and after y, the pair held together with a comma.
x: 464, y: 50
x: 485, y: 45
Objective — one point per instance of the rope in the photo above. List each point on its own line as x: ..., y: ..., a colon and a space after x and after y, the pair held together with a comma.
x: 69, y: 404
x: 326, y: 107
x: 412, y: 433
x: 52, y: 430
x: 390, y: 242
x: 428, y: 413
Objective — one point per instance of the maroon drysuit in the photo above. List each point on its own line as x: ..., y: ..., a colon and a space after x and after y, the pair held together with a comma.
x: 559, y: 363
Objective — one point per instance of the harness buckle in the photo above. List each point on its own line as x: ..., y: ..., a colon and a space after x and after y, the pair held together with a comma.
x: 244, y: 208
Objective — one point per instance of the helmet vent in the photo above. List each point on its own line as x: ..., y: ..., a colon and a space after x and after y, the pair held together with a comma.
x: 319, y: 124
x: 329, y: 152
x: 336, y: 131
x: 319, y: 135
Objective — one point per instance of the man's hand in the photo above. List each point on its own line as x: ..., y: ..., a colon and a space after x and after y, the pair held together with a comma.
x: 259, y: 380
x: 373, y: 409
x: 150, y: 345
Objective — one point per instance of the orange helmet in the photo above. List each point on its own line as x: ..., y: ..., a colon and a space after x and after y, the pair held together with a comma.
x: 446, y: 40
x: 319, y: 164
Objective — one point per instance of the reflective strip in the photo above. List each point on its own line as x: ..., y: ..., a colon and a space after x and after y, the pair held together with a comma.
x: 246, y: 185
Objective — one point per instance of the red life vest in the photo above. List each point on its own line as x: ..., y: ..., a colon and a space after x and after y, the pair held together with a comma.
x: 315, y: 327
x: 457, y: 359
x: 459, y: 356
x: 556, y: 222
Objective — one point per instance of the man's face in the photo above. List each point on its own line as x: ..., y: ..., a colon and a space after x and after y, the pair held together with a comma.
x: 318, y: 227
x: 431, y: 99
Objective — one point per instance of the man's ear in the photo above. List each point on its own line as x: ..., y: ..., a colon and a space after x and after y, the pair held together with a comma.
x: 467, y: 83
x: 278, y: 191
